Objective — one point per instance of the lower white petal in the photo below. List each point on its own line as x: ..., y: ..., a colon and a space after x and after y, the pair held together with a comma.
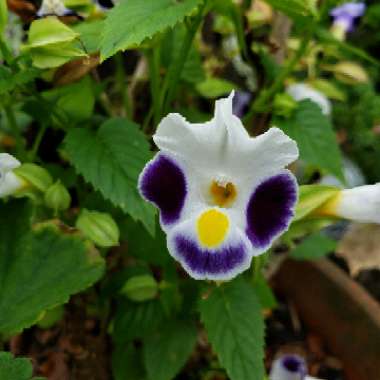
x: 10, y: 184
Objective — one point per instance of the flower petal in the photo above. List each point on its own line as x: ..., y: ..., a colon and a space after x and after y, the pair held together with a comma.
x: 10, y: 184
x: 8, y: 162
x: 271, y: 208
x: 163, y: 183
x: 223, y: 145
x: 222, y: 261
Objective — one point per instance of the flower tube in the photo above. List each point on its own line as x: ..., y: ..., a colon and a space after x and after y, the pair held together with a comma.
x: 360, y: 204
x: 223, y: 196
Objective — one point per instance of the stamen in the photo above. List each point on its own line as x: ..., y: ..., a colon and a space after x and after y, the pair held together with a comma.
x: 223, y: 195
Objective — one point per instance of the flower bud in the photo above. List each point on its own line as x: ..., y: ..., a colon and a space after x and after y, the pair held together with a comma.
x: 284, y: 105
x: 57, y: 197
x: 349, y: 72
x: 140, y: 288
x: 98, y: 227
x: 35, y: 176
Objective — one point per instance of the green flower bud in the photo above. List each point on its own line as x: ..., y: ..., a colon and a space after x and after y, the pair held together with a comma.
x: 140, y: 288
x: 284, y: 105
x: 98, y: 227
x: 57, y: 197
x: 35, y: 176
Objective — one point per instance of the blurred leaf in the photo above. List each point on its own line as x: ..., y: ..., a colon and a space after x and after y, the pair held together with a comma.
x: 136, y: 320
x: 76, y: 101
x: 9, y: 81
x: 313, y: 247
x: 235, y: 327
x: 3, y: 16
x: 315, y: 137
x: 39, y: 268
x: 298, y: 10
x: 127, y: 363
x: 311, y: 197
x: 329, y: 89
x: 131, y: 22
x: 111, y: 160
x: 215, y: 87
x: 90, y: 33
x: 348, y: 72
x: 167, y: 350
x: 264, y: 292
x: 15, y: 368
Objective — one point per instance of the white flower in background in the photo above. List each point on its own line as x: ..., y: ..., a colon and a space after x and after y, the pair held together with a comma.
x: 290, y: 367
x: 302, y: 91
x: 9, y: 182
x: 53, y: 8
x: 223, y: 196
x: 360, y: 204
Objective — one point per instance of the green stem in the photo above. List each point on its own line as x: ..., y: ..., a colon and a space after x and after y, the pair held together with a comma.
x: 262, y: 101
x: 11, y: 118
x: 177, y: 65
x: 121, y: 84
x: 37, y: 141
x: 153, y: 56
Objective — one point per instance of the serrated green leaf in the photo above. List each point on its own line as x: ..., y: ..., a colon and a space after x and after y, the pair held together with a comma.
x: 312, y: 197
x: 111, y: 160
x: 39, y: 268
x: 235, y: 327
x: 315, y: 137
x: 313, y: 247
x: 131, y: 22
x: 90, y: 33
x: 15, y: 368
x: 167, y: 350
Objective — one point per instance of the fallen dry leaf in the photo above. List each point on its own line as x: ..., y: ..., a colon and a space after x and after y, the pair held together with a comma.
x: 360, y: 247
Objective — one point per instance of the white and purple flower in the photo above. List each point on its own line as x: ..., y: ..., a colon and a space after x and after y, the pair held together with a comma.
x: 290, y: 367
x: 53, y: 8
x: 223, y: 196
x: 345, y: 15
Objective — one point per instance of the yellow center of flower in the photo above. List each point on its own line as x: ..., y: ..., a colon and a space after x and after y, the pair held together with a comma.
x: 212, y: 228
x: 223, y: 195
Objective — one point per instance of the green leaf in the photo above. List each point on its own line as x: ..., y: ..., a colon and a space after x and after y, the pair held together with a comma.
x: 311, y: 197
x: 136, y: 320
x: 9, y: 81
x: 215, y: 87
x: 15, y: 368
x: 90, y: 33
x: 39, y: 268
x: 315, y: 137
x: 313, y: 247
x: 235, y: 327
x: 127, y: 363
x: 167, y: 350
x: 264, y: 293
x: 111, y: 160
x: 131, y: 22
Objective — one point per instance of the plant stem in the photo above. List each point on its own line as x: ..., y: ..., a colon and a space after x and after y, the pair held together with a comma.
x: 11, y: 118
x: 121, y: 84
x: 153, y: 56
x: 177, y: 65
x: 261, y: 102
x: 37, y: 141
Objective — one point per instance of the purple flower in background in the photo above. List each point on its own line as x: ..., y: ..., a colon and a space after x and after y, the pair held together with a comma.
x: 223, y: 196
x: 240, y: 103
x: 345, y: 15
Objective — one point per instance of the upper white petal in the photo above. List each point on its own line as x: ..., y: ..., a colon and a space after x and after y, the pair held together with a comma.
x: 223, y: 148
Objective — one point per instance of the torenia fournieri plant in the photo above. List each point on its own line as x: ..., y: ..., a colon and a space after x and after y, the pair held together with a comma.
x: 223, y: 196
